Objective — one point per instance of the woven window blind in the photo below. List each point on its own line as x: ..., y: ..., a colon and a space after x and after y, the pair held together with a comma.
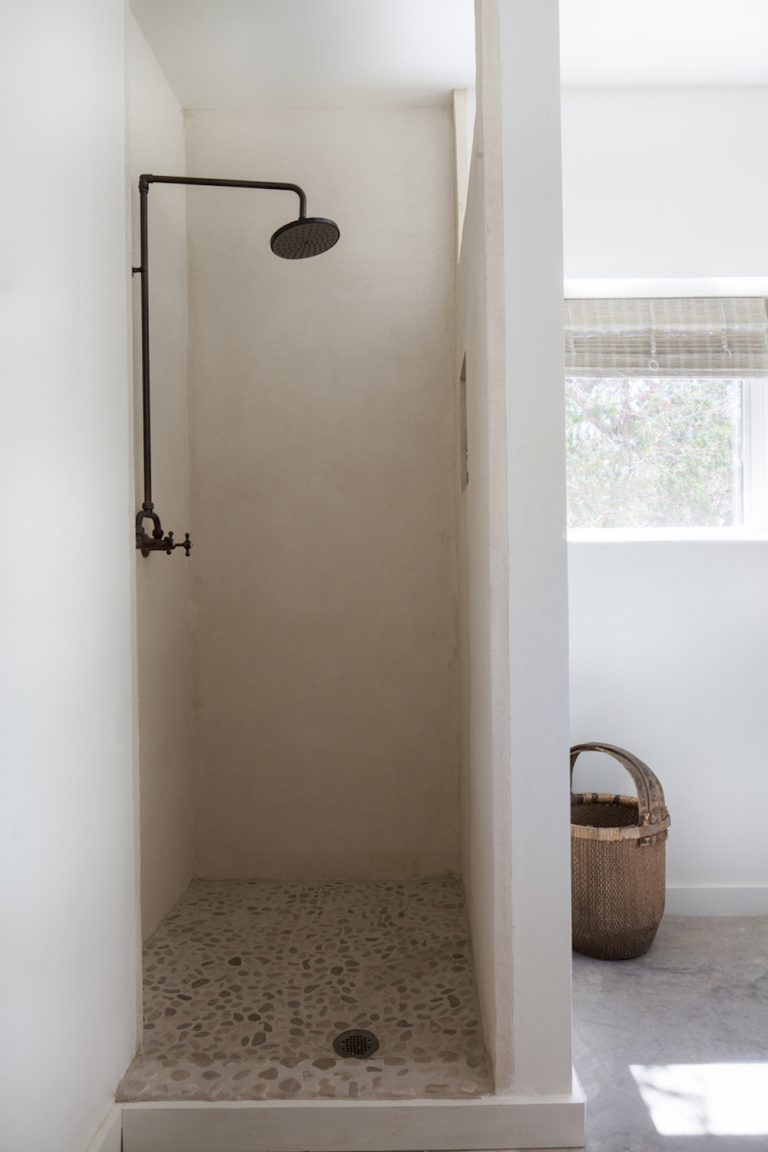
x: 702, y: 336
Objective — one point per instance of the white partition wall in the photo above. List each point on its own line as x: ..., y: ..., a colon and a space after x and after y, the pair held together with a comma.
x: 538, y: 637
x: 512, y: 553
x: 69, y: 950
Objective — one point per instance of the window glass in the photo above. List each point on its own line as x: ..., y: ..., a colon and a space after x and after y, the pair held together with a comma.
x: 655, y: 453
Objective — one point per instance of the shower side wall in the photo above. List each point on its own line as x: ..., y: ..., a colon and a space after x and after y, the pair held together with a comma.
x: 513, y: 621
x: 156, y: 144
x: 323, y: 485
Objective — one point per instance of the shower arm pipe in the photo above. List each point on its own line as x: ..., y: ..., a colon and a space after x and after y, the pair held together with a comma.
x: 147, y: 179
x: 158, y: 541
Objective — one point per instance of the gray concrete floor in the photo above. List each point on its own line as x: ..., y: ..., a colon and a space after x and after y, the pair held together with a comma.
x: 698, y: 997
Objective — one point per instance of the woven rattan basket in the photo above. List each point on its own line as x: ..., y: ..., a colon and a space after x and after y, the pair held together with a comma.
x: 617, y: 862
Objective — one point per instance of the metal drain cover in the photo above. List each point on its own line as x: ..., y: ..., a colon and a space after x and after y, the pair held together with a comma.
x: 357, y: 1042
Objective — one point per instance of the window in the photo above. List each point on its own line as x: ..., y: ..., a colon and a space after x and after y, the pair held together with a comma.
x: 665, y: 415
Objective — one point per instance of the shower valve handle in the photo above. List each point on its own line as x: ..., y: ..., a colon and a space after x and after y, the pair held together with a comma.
x: 157, y: 542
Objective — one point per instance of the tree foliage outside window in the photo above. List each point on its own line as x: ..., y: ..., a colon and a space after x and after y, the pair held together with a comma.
x: 654, y: 453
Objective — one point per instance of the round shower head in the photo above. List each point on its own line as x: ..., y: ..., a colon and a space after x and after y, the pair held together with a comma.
x: 307, y: 236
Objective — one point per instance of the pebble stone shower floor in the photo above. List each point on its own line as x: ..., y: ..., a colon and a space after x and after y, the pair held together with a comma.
x: 247, y: 983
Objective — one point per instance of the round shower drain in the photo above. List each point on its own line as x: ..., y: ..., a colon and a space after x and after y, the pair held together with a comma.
x: 357, y: 1042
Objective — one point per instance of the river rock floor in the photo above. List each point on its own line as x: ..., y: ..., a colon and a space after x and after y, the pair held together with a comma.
x: 247, y: 984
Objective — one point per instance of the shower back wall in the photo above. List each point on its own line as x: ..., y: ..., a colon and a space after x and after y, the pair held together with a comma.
x: 323, y: 473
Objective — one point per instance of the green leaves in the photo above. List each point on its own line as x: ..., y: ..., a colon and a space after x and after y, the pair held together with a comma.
x: 654, y: 453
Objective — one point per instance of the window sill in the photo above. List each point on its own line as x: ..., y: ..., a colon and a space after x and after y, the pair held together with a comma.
x: 665, y: 535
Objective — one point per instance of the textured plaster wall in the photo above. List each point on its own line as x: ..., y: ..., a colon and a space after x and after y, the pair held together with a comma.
x: 156, y: 144
x: 483, y: 567
x: 69, y: 951
x: 513, y: 623
x: 669, y: 640
x: 322, y: 481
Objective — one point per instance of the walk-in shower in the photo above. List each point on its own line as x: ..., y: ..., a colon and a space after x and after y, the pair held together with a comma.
x: 296, y: 240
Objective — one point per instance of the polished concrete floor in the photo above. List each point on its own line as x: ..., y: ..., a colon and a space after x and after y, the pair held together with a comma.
x: 672, y: 1048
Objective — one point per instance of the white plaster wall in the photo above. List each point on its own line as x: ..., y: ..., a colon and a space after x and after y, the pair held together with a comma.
x: 669, y: 644
x: 669, y: 640
x: 322, y: 482
x: 664, y: 182
x: 512, y: 555
x: 69, y: 955
x: 538, y: 592
x: 156, y: 144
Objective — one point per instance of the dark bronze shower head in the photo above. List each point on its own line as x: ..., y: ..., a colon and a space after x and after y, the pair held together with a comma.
x: 307, y: 236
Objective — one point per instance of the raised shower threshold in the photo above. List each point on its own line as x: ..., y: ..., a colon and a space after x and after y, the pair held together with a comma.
x: 248, y: 984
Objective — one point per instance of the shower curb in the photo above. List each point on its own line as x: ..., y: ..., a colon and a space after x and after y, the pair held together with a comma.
x: 488, y: 1122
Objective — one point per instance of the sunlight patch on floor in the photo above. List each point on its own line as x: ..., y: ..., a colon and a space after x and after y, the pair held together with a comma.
x: 705, y: 1099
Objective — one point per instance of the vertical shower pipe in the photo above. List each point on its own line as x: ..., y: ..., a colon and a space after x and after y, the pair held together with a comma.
x: 147, y: 505
x: 158, y: 542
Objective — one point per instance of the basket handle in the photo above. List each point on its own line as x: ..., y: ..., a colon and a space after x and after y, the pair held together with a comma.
x: 650, y: 795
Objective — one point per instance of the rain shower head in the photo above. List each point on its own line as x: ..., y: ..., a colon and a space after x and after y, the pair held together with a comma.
x: 307, y: 236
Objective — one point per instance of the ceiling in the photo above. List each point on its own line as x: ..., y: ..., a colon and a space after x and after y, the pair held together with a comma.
x: 257, y: 53
x: 267, y: 53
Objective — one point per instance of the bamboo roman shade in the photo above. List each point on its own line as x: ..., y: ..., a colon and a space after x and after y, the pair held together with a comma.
x: 702, y: 336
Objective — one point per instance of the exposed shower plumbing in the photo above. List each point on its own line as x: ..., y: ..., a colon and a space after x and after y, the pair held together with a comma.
x: 306, y: 236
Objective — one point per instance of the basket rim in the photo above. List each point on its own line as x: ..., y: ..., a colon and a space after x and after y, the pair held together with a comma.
x: 616, y: 834
x: 580, y: 798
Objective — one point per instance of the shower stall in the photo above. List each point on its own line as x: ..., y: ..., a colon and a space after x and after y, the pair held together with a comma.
x: 321, y: 949
x: 352, y: 689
